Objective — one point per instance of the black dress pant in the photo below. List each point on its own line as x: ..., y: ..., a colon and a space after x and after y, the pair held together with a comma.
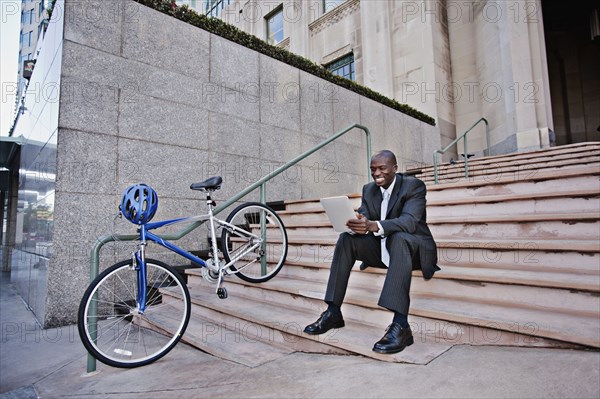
x: 403, y: 249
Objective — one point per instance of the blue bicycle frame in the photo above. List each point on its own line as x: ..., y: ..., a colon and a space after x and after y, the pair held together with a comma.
x: 146, y: 235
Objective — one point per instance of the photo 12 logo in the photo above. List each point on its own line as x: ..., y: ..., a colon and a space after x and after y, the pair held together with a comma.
x: 461, y: 11
x: 489, y: 92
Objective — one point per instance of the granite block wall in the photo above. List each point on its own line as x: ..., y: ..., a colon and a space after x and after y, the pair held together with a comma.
x: 159, y: 101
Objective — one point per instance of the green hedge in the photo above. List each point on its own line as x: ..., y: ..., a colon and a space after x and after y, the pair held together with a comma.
x: 230, y: 32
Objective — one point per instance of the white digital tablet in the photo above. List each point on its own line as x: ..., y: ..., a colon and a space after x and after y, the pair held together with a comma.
x: 339, y: 210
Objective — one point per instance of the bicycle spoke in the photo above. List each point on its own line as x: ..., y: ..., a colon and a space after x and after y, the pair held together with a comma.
x: 123, y: 337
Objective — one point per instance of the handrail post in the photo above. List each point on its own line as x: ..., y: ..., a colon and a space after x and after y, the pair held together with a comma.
x: 435, y: 167
x: 94, y: 268
x: 369, y: 153
x: 263, y: 233
x: 263, y: 193
x: 464, y: 137
x: 487, y: 136
x: 466, y: 158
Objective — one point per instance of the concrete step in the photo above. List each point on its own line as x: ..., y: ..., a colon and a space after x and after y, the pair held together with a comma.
x: 509, y: 255
x: 233, y: 341
x: 360, y: 307
x: 220, y: 320
x: 558, y: 326
x: 567, y: 281
x: 278, y: 322
x: 578, y: 178
x: 541, y: 196
x: 494, y: 228
x: 478, y: 273
x: 509, y: 244
x: 506, y: 243
x: 472, y: 197
x: 563, y: 152
x: 316, y: 219
x: 540, y: 188
x: 575, y: 182
x: 450, y: 284
x: 516, y: 207
x: 571, y: 226
x: 313, y: 205
x: 581, y: 208
x: 509, y: 168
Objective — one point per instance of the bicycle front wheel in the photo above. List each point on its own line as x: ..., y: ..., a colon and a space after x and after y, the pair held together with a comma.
x: 256, y: 242
x: 116, y: 331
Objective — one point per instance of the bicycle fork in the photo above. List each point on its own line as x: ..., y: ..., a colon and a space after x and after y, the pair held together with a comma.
x: 139, y: 265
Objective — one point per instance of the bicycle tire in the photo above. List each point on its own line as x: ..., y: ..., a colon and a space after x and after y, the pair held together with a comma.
x: 250, y: 267
x: 122, y: 337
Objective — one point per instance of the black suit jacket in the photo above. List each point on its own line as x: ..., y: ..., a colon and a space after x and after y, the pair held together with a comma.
x: 406, y: 213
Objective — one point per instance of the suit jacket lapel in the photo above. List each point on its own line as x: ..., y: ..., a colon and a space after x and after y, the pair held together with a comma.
x: 377, y: 198
x: 395, y: 195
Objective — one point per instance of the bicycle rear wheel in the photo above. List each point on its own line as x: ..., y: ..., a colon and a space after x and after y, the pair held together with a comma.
x: 113, y: 329
x: 258, y: 245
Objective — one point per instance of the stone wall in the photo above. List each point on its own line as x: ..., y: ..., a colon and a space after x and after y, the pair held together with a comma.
x: 147, y: 98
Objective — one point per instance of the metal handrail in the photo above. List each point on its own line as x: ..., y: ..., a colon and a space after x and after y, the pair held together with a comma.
x: 466, y: 153
x: 101, y: 241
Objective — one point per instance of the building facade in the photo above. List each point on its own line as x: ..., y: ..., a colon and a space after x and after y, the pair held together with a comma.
x: 34, y: 22
x: 456, y: 61
x: 123, y: 94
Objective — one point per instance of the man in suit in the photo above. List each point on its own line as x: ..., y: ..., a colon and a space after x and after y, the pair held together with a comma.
x: 391, y: 232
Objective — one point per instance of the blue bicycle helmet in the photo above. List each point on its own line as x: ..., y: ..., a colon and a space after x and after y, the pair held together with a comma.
x: 139, y: 203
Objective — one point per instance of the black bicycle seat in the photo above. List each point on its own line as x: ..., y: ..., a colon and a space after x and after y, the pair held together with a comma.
x: 210, y: 184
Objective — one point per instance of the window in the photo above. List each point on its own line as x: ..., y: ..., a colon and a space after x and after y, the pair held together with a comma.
x: 343, y: 67
x: 214, y: 7
x: 329, y: 5
x: 275, y: 26
x: 27, y: 17
x: 26, y: 39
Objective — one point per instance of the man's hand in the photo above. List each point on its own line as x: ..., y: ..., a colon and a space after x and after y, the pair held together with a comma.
x: 362, y: 225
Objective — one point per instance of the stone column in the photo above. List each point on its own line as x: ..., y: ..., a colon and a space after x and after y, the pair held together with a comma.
x: 377, y: 51
x: 507, y: 75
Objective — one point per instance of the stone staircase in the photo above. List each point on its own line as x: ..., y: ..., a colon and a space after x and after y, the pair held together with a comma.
x: 519, y: 249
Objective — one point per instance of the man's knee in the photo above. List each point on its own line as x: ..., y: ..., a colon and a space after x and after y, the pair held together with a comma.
x: 405, y: 246
x: 343, y: 238
x: 402, y: 238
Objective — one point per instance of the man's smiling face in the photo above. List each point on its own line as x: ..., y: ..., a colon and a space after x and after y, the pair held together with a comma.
x: 383, y: 170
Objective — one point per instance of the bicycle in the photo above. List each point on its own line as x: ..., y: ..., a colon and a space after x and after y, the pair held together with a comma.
x: 135, y: 312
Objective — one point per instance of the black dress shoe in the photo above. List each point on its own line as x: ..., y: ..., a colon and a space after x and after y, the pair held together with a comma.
x: 395, y: 339
x: 363, y: 266
x: 326, y: 322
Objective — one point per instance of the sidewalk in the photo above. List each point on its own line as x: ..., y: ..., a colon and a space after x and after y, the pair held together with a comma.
x: 52, y: 364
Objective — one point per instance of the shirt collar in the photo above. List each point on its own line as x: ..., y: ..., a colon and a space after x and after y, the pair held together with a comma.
x: 390, y: 189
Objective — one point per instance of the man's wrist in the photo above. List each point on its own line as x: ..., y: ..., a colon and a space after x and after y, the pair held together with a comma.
x: 379, y: 231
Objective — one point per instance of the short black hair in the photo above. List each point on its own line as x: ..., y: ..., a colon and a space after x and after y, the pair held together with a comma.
x: 389, y: 155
